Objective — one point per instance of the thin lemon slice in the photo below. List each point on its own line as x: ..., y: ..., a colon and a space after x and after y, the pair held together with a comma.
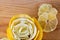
x: 53, y: 11
x: 44, y: 8
x: 51, y: 25
x: 48, y: 21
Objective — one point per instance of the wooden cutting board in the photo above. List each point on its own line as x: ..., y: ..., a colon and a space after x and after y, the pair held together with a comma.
x: 9, y: 8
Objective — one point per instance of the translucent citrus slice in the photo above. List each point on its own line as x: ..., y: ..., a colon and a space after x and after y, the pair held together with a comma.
x: 48, y: 22
x: 44, y: 8
x: 53, y: 11
x: 47, y: 16
x: 52, y: 14
x: 50, y: 25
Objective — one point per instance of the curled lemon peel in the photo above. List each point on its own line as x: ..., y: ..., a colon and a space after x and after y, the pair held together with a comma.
x: 40, y: 31
x: 9, y: 31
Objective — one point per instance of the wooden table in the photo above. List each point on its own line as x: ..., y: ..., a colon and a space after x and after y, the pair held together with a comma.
x: 8, y: 8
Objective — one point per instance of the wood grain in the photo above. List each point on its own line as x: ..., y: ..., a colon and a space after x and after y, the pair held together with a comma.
x: 9, y: 8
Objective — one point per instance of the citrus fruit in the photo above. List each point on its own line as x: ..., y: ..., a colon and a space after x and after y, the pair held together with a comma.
x: 50, y: 25
x: 24, y: 27
x: 47, y: 17
x: 44, y: 8
x: 53, y: 11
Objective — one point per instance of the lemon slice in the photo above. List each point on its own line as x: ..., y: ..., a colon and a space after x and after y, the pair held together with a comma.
x: 48, y: 22
x: 53, y: 11
x: 50, y: 25
x: 44, y: 8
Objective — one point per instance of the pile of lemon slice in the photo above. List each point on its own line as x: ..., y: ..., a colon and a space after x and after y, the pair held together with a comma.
x: 47, y: 17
